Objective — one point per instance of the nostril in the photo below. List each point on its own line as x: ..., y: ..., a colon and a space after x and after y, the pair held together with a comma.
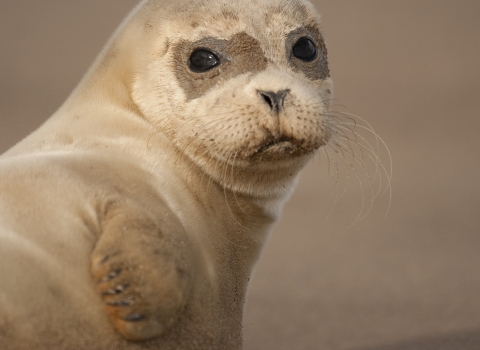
x: 274, y: 100
x: 281, y: 96
x: 267, y: 99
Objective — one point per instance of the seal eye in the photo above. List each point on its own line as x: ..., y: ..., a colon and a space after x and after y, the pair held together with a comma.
x: 305, y: 50
x: 202, y: 60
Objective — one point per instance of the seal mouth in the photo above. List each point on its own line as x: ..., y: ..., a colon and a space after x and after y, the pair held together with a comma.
x: 275, y: 147
x: 279, y: 149
x: 284, y: 146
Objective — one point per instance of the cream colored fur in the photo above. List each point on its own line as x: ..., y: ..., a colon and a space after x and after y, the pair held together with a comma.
x: 122, y: 196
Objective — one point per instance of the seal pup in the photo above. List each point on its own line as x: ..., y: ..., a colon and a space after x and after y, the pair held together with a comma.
x: 133, y: 217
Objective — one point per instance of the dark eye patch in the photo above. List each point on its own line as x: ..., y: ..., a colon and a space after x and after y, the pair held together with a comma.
x: 305, y: 50
x: 202, y: 60
x: 238, y: 55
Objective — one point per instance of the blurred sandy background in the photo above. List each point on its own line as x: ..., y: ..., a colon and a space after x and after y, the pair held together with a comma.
x: 410, y: 281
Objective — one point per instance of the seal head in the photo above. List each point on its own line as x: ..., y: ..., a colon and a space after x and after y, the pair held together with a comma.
x: 233, y: 87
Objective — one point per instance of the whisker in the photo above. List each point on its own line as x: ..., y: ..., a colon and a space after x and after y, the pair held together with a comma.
x: 356, y: 150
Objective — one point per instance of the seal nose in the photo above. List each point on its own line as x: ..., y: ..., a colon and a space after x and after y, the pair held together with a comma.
x: 274, y: 100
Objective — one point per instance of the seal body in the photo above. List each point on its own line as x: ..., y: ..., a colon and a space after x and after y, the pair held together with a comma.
x: 133, y: 217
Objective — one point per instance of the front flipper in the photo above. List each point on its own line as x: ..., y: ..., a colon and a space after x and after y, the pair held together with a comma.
x: 142, y: 272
